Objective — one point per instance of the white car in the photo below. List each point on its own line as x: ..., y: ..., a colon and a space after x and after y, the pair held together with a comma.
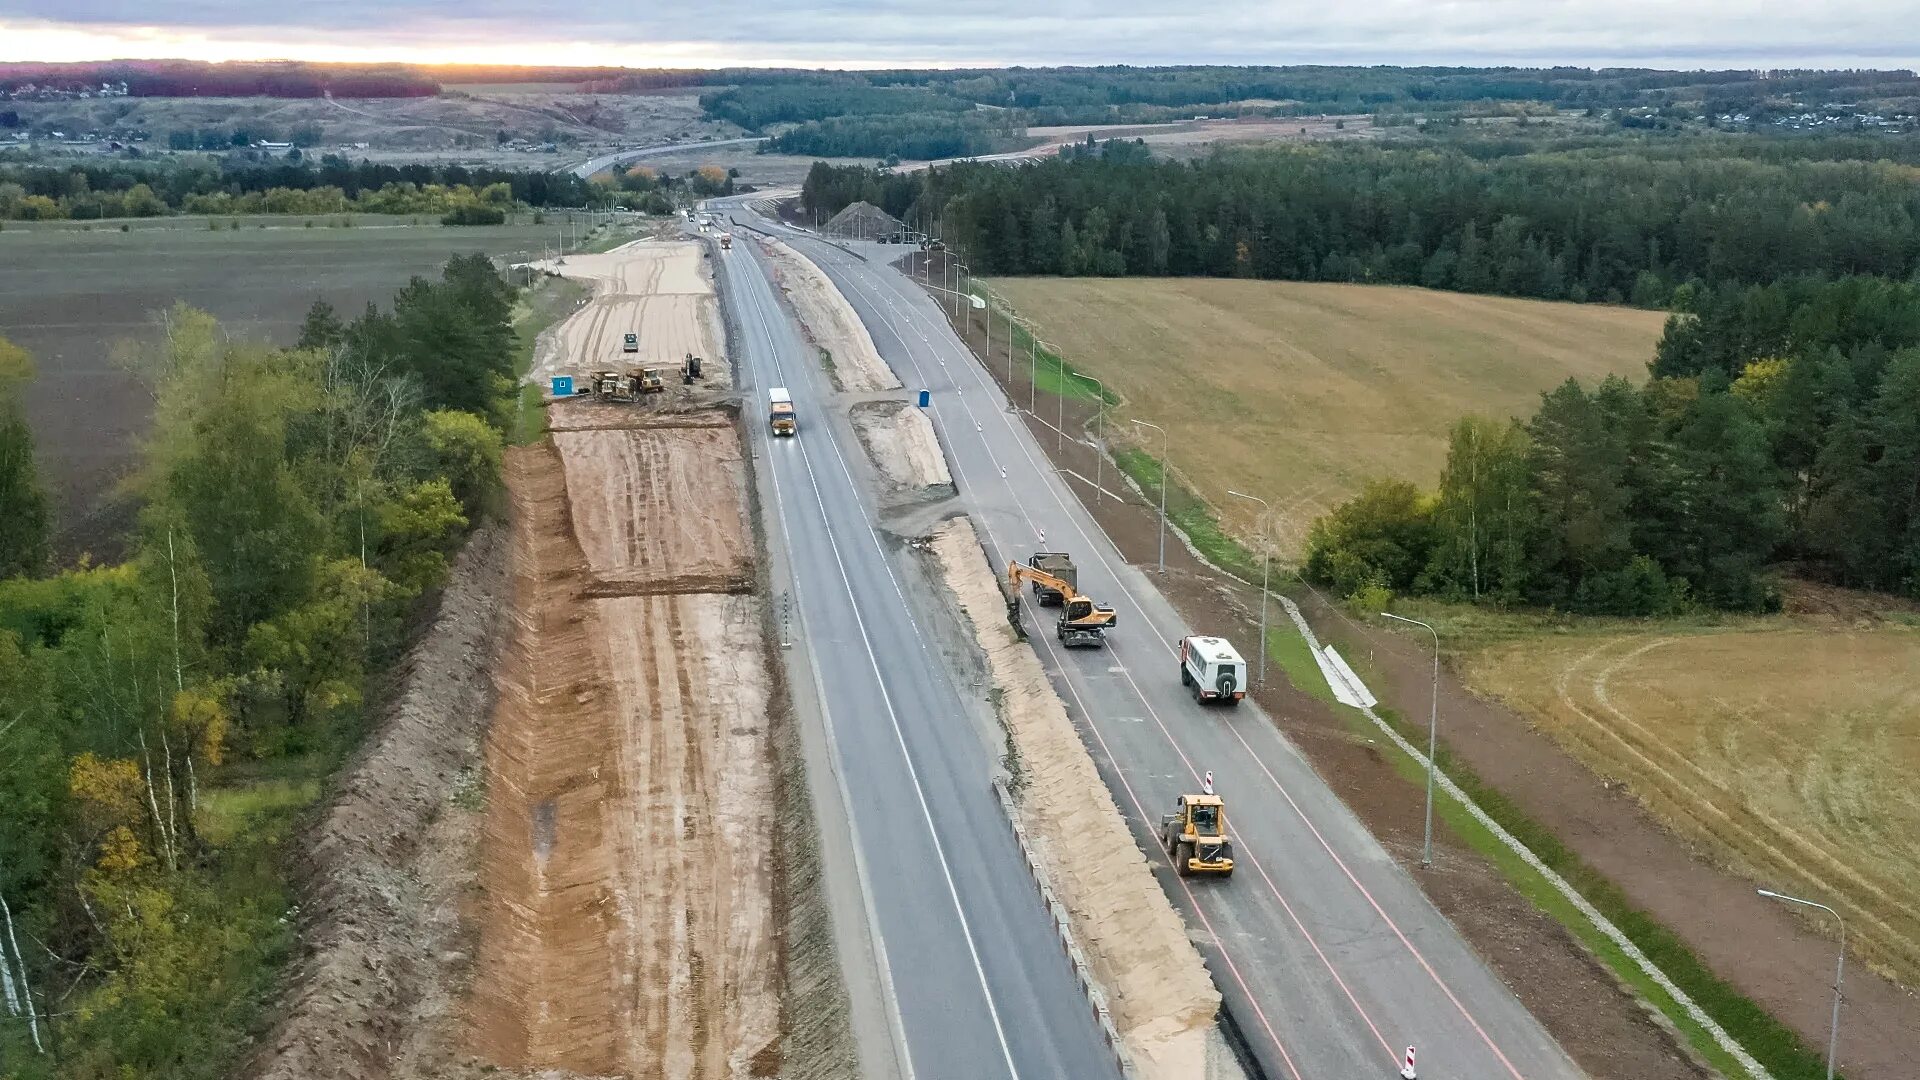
x: 1212, y: 669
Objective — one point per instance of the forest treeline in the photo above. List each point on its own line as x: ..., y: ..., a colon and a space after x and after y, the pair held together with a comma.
x: 1620, y: 226
x: 1780, y: 425
x: 167, y: 718
x: 924, y: 136
x: 195, y: 78
x: 139, y: 189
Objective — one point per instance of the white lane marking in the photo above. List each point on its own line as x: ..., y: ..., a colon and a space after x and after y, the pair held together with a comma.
x: 893, y: 716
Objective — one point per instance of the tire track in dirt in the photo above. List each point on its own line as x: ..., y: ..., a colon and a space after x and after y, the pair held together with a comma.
x: 630, y: 925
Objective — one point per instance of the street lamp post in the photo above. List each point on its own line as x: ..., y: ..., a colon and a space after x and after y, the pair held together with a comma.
x: 1433, y: 733
x: 1100, y: 430
x: 1033, y: 373
x: 1163, y: 488
x: 1839, y: 971
x: 1266, y: 564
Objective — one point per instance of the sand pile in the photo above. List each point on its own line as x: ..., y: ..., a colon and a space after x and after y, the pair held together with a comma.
x: 900, y: 440
x: 862, y: 219
x: 1157, y: 987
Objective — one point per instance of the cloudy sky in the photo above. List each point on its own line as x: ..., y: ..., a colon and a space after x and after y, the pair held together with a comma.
x: 874, y: 33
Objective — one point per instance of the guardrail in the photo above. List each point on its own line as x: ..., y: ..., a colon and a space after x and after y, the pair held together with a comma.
x: 1096, y: 997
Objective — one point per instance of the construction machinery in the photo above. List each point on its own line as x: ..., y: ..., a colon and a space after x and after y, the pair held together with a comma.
x: 609, y: 386
x: 690, y: 370
x: 1057, y: 564
x: 1196, y: 836
x: 630, y: 343
x: 646, y: 381
x: 781, y: 419
x: 1081, y: 622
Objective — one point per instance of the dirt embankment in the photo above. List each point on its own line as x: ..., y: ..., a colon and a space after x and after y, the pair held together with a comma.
x: 830, y: 322
x: 901, y: 441
x: 1157, y: 987
x: 386, y: 952
x: 629, y: 925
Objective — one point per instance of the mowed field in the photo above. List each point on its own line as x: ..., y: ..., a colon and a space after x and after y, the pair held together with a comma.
x: 68, y: 297
x: 1299, y: 392
x: 1785, y: 747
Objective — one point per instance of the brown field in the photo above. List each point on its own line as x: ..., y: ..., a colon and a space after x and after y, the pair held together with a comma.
x: 1785, y: 747
x: 1299, y: 392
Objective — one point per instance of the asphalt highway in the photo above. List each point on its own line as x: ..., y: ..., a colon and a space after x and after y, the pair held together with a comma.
x: 978, y: 987
x: 1330, y: 958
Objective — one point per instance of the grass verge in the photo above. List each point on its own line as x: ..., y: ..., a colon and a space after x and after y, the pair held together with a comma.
x: 542, y: 305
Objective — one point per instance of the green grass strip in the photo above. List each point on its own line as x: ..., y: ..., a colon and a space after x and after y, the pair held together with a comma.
x: 546, y: 302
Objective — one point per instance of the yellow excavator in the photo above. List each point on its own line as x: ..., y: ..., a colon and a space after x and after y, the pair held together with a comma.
x: 1081, y: 622
x: 1196, y: 835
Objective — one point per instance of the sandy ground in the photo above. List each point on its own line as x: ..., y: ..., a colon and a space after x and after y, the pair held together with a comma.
x: 629, y: 924
x: 1158, y: 990
x: 900, y: 440
x: 386, y: 952
x: 659, y: 289
x: 830, y: 322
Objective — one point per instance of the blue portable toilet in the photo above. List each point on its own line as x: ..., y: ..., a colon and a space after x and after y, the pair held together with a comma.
x: 563, y: 386
x: 926, y: 396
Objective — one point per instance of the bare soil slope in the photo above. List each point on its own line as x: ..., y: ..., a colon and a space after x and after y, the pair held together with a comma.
x: 629, y: 925
x: 660, y: 290
x: 1301, y: 391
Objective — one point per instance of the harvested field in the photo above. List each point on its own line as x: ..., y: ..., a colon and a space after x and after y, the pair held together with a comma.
x: 1158, y: 991
x: 661, y: 290
x: 629, y: 924
x: 1333, y: 384
x: 68, y: 297
x: 830, y: 322
x: 901, y: 441
x: 1786, y: 750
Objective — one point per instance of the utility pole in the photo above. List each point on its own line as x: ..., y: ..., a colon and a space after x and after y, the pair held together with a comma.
x: 1433, y: 734
x: 1266, y: 565
x: 1033, y: 373
x: 1163, y: 488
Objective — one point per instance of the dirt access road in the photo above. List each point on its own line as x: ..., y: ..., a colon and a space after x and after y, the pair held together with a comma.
x: 661, y: 290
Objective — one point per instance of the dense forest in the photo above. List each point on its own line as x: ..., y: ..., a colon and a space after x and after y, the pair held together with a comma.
x: 924, y: 136
x: 138, y: 189
x: 1781, y: 424
x: 1610, y: 224
x: 167, y: 718
x: 756, y: 105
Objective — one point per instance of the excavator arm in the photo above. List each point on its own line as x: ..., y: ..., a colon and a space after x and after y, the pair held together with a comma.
x: 1081, y: 622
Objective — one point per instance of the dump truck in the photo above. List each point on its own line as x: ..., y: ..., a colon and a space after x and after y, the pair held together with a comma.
x: 1196, y: 835
x: 1056, y: 564
x: 1212, y: 669
x: 646, y: 380
x: 610, y: 386
x: 781, y: 419
x: 1081, y: 621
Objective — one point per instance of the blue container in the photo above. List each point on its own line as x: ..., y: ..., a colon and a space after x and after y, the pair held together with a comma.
x: 563, y: 386
x: 926, y: 396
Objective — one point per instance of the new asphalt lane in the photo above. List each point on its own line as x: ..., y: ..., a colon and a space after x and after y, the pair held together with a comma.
x: 1331, y: 959
x: 979, y: 985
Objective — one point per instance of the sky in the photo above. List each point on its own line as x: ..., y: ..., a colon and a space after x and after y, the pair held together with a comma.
x: 924, y: 33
